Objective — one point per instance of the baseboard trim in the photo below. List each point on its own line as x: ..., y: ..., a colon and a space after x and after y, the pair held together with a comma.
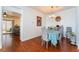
x: 31, y: 38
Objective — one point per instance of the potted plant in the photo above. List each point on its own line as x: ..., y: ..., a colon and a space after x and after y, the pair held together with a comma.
x: 72, y: 33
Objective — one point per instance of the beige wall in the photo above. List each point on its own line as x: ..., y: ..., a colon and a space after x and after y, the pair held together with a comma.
x: 16, y: 21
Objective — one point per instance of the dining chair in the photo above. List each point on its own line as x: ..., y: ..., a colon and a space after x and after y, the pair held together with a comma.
x: 71, y: 36
x: 60, y: 34
x: 68, y: 33
x: 62, y: 31
x: 44, y: 37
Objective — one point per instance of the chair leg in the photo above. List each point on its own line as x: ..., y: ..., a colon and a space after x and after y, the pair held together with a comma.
x: 60, y: 44
x: 51, y: 44
x: 42, y: 43
x: 47, y: 44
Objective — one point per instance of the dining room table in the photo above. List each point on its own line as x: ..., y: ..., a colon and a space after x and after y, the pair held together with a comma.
x: 53, y: 36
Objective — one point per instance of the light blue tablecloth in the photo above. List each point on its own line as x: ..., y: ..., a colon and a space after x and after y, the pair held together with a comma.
x: 53, y: 36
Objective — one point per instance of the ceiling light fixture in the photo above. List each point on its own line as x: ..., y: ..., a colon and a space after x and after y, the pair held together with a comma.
x: 51, y: 6
x: 54, y: 6
x: 4, y: 14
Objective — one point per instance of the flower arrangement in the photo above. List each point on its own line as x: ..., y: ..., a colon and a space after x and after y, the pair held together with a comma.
x: 72, y: 33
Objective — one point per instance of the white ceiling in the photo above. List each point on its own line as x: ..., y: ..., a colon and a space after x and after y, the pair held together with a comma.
x: 48, y: 9
x: 14, y: 14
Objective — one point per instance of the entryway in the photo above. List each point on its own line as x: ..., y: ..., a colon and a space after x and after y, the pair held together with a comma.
x: 10, y: 29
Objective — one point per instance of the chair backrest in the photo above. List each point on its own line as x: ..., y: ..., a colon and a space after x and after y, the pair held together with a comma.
x: 62, y: 30
x: 44, y: 33
x: 68, y: 29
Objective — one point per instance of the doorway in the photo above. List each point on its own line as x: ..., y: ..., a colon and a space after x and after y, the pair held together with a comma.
x: 11, y: 29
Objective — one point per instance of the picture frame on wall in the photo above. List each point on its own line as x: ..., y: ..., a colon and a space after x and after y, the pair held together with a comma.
x: 39, y: 21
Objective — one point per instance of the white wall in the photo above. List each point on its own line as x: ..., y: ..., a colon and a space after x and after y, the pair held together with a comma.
x: 50, y: 21
x: 68, y: 18
x: 77, y: 25
x: 0, y: 27
x: 29, y: 28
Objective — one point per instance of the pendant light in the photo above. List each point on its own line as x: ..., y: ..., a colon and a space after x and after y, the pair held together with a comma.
x: 4, y: 14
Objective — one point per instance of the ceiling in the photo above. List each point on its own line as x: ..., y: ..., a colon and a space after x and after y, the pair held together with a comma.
x: 12, y: 14
x: 51, y: 9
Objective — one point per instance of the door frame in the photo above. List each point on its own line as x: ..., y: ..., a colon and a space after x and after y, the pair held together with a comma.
x: 13, y: 9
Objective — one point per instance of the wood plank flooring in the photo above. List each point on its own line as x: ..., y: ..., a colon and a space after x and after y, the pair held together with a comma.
x: 34, y: 45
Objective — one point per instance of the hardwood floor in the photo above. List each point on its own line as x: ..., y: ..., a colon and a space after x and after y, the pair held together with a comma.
x: 34, y: 45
